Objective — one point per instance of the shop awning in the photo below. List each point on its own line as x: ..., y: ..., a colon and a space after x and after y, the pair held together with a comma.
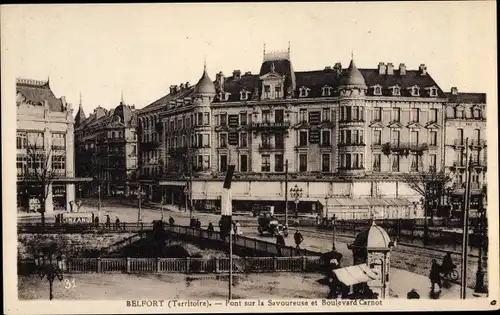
x: 355, y: 274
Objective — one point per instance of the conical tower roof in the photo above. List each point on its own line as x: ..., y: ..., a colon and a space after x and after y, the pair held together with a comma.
x: 80, y: 115
x: 205, y: 85
x: 352, y: 77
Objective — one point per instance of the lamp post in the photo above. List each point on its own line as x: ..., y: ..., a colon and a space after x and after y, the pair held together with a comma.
x: 48, y: 267
x: 480, y: 288
x: 186, y: 193
x: 296, y: 194
x: 139, y: 199
x: 99, y: 202
x: 161, y: 205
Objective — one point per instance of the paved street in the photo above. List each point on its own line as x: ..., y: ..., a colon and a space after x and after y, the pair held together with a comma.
x: 402, y: 281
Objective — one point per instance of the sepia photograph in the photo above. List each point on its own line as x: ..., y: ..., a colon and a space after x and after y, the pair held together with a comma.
x: 281, y: 156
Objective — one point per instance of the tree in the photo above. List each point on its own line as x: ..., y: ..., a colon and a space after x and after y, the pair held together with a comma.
x: 431, y: 185
x: 39, y: 174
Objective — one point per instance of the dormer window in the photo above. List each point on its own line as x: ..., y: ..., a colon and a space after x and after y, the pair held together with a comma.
x: 396, y: 90
x: 326, y: 90
x: 433, y: 91
x: 377, y: 90
x: 244, y: 95
x: 224, y: 96
x: 304, y: 92
x: 415, y: 91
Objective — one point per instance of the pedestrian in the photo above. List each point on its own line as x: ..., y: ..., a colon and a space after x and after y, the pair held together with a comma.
x: 96, y: 221
x: 447, y: 265
x: 198, y: 224
x: 210, y: 229
x: 108, y: 221
x: 298, y: 239
x: 280, y: 242
x: 412, y: 295
x: 238, y: 228
x: 117, y: 223
x: 435, y: 275
x: 192, y: 223
x: 171, y: 220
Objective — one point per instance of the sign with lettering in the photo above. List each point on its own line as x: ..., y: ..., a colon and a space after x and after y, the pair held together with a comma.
x: 233, y: 138
x: 314, y: 117
x: 233, y: 120
x: 75, y: 218
x: 314, y: 136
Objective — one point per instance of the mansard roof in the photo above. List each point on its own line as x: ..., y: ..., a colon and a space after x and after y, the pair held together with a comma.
x: 37, y: 92
x: 467, y: 98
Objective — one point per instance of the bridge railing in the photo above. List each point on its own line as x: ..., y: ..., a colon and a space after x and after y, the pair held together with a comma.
x: 185, y: 265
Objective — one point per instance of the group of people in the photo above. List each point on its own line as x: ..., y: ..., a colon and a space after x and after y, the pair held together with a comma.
x: 437, y: 270
x: 195, y: 223
x: 108, y: 222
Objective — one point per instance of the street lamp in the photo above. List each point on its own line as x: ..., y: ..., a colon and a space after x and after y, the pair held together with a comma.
x: 99, y: 201
x: 296, y: 194
x: 139, y: 199
x: 161, y: 205
x: 49, y: 268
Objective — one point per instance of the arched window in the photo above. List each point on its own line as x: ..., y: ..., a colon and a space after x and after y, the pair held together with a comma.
x: 450, y: 112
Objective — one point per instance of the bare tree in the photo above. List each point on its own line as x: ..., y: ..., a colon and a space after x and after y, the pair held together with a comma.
x: 431, y: 185
x: 39, y: 174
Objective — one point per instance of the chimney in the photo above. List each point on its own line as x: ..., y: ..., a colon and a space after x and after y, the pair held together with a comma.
x: 328, y: 68
x: 187, y: 85
x: 176, y: 88
x: 132, y: 107
x: 236, y: 74
x: 423, y: 69
x: 219, y: 78
x: 248, y: 73
x: 172, y: 91
x: 182, y: 86
x: 381, y: 68
x: 454, y: 90
x: 390, y: 69
x: 338, y: 67
x: 402, y: 69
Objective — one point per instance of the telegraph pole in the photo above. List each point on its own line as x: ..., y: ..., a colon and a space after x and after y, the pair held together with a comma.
x: 466, y: 206
x: 286, y: 194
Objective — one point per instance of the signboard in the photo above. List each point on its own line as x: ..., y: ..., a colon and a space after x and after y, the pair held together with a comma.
x: 75, y: 218
x: 34, y: 205
x: 314, y: 136
x: 233, y: 120
x: 314, y: 117
x: 232, y: 138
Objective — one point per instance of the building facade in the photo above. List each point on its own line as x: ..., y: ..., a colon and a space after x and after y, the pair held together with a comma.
x: 106, y: 146
x: 466, y: 120
x: 44, y: 143
x: 346, y: 133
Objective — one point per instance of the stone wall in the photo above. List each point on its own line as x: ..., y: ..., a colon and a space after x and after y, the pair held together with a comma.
x: 70, y: 244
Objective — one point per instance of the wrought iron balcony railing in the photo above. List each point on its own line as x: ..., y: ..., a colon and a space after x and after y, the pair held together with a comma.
x: 270, y: 125
x: 264, y: 147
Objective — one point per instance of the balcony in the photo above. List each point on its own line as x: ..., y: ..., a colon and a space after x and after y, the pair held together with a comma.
x: 325, y: 145
x: 352, y: 144
x: 459, y: 165
x: 198, y: 146
x: 270, y: 147
x: 459, y: 143
x: 478, y: 143
x: 274, y: 126
x: 479, y: 163
x: 404, y: 147
x: 351, y: 121
x: 58, y: 147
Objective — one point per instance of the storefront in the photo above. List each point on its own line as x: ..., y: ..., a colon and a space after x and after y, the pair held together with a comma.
x: 59, y: 197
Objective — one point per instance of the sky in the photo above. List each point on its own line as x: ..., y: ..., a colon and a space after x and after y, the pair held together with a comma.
x: 102, y: 50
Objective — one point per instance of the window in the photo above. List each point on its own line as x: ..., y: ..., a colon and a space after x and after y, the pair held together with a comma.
x: 477, y: 135
x: 20, y: 164
x: 414, y: 163
x: 22, y: 140
x: 206, y: 162
x: 325, y: 137
x: 433, y: 91
x: 342, y: 137
x: 395, y: 163
x: 243, y: 140
x: 223, y: 120
x: 414, y: 137
x: 243, y: 163
x: 396, y: 91
x: 303, y: 92
x: 223, y: 140
x: 415, y: 91
x: 279, y: 116
x: 326, y: 116
x: 206, y: 119
x: 395, y: 137
x: 348, y: 139
x: 460, y: 112
x: 266, y: 163
x: 266, y: 140
x: 59, y: 164
x: 302, y: 162
x: 348, y: 113
x: 377, y: 137
x: 206, y: 140
x: 303, y: 138
x: 325, y: 163
x: 279, y: 141
x: 200, y: 119
x: 377, y: 114
x: 326, y: 91
x: 342, y: 160
x: 376, y: 162
x: 415, y: 115
x: 432, y: 162
x: 348, y: 164
x: 266, y: 116
x: 267, y: 91
x: 243, y: 95
x: 377, y: 90
x: 277, y: 91
x: 303, y: 115
x: 133, y: 151
x: 433, y: 138
x: 278, y: 163
x: 460, y: 135
x: 243, y: 119
x: 396, y: 114
x: 433, y: 115
x: 223, y: 163
x: 35, y: 139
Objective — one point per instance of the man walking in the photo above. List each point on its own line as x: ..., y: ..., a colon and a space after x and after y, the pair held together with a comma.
x: 435, y: 275
x: 280, y: 242
x: 298, y: 239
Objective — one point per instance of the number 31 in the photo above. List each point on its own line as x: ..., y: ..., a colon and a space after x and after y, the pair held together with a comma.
x: 70, y: 284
